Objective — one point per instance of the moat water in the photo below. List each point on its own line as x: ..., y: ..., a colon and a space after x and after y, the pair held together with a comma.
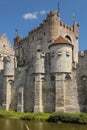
x: 14, y: 124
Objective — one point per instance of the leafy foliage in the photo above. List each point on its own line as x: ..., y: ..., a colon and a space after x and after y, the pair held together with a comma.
x: 80, y: 118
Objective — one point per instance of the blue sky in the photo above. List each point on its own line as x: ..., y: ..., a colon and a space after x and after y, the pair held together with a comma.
x: 25, y: 15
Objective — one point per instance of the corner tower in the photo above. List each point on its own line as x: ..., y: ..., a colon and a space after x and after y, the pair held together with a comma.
x: 8, y: 82
x: 39, y: 74
x: 61, y: 56
x: 61, y: 68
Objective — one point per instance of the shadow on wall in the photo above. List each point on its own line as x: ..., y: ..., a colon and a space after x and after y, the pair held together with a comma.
x: 13, y: 96
x: 82, y: 92
x: 1, y: 88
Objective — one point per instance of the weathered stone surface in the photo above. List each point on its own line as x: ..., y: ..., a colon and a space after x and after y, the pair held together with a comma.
x: 42, y: 76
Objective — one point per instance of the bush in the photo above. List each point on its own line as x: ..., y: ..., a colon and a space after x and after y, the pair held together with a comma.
x: 80, y: 118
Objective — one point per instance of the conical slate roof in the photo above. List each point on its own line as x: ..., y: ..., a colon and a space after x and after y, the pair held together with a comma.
x: 60, y: 40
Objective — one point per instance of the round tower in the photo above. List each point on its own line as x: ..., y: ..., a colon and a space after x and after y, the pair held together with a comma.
x: 61, y: 66
x: 8, y: 81
x: 1, y: 62
x: 61, y: 56
x: 9, y: 66
x: 39, y: 71
x: 53, y: 19
x: 39, y: 63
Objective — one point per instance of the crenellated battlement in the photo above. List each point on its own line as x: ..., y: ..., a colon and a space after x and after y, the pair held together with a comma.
x: 18, y: 40
x: 70, y: 28
x: 44, y: 74
x: 49, y: 30
x: 83, y: 53
x: 38, y: 27
x: 50, y: 14
x: 55, y: 17
x: 24, y: 39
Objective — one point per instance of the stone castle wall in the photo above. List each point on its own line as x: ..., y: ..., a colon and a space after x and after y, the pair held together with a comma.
x: 34, y: 81
x: 6, y: 72
x: 45, y: 79
x: 82, y: 80
x: 1, y: 87
x: 44, y: 35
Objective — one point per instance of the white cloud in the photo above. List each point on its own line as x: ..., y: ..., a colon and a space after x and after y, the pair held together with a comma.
x: 30, y: 16
x: 42, y: 12
x: 34, y: 15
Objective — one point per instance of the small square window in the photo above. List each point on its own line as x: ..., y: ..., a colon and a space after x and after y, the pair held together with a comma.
x: 44, y: 33
x: 52, y: 54
x: 67, y: 54
x: 4, y: 46
x: 59, y: 53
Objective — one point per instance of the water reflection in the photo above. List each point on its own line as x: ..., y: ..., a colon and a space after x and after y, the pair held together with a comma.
x: 13, y: 124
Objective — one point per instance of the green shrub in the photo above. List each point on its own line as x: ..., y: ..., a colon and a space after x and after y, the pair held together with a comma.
x: 80, y: 118
x: 69, y: 117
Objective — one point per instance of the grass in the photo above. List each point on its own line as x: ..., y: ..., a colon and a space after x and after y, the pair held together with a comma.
x: 9, y: 114
x: 35, y: 116
x: 80, y: 118
x: 25, y: 116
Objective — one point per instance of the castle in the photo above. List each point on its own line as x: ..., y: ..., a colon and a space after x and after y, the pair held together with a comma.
x: 44, y: 72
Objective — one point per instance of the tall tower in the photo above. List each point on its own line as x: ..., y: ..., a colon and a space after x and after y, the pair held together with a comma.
x: 39, y: 72
x: 1, y: 62
x: 8, y: 82
x: 61, y: 67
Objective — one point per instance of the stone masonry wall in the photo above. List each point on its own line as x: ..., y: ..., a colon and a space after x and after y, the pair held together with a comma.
x: 1, y: 88
x: 44, y: 35
x: 82, y: 80
x: 71, y: 96
x: 43, y: 90
x: 48, y: 96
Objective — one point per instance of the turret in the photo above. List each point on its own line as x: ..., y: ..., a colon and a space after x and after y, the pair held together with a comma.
x: 61, y: 67
x: 17, y: 39
x: 8, y: 81
x: 75, y: 29
x: 39, y: 63
x: 9, y: 66
x: 61, y: 56
x: 1, y: 62
x: 39, y: 71
x: 53, y: 19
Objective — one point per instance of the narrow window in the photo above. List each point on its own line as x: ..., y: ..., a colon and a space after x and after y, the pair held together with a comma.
x: 68, y: 77
x: 67, y: 54
x: 59, y: 53
x: 4, y: 46
x: 44, y: 33
x: 52, y: 54
x: 68, y: 38
x: 19, y: 99
x: 52, y: 78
